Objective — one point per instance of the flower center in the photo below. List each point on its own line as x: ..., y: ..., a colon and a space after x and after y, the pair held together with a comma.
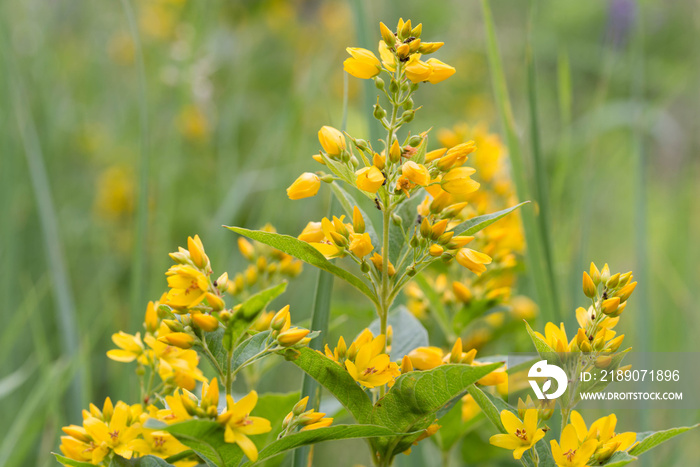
x: 369, y: 371
x: 114, y: 435
x: 521, y: 434
x: 158, y: 441
x: 570, y: 454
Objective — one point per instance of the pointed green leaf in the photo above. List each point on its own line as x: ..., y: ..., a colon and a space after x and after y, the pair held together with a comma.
x: 650, y: 439
x: 320, y: 435
x: 248, y: 312
x: 306, y: 253
x: 475, y: 224
x: 206, y: 439
x: 487, y: 407
x: 337, y: 381
x: 541, y: 346
x: 416, y: 396
x: 70, y: 462
x: 619, y: 459
x: 249, y: 349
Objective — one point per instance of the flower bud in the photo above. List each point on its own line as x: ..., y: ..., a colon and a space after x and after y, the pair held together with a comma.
x: 305, y: 186
x: 332, y: 140
x: 174, y: 325
x: 178, y: 339
x: 426, y: 229
x: 589, y: 288
x: 605, y: 273
x: 281, y: 320
x: 436, y: 250
x: 215, y: 302
x: 378, y: 161
x: 438, y: 229
x: 406, y: 365
x: 393, y: 86
x: 461, y: 292
x: 292, y: 336
x: 196, y: 249
x: 603, y: 361
x: 595, y: 274
x: 300, y: 406
x: 408, y: 105
x: 610, y: 305
x: 625, y: 292
x: 445, y: 238
x: 415, y: 141
x: 407, y: 116
x: 395, y: 152
x: 613, y: 281
x: 416, y: 32
x: 405, y: 31
x: 388, y: 36
x: 207, y: 323
x: 411, y: 271
x: 615, y: 344
x: 358, y: 222
x: 379, y: 83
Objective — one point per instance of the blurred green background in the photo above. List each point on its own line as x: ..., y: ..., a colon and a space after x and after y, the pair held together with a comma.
x: 125, y: 128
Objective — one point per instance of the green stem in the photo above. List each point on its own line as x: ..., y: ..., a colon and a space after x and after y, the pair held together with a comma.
x: 229, y: 379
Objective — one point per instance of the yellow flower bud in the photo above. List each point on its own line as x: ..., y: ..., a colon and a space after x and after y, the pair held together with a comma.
x: 456, y: 156
x: 417, y: 31
x: 369, y: 179
x: 360, y: 244
x: 460, y: 240
x: 362, y: 64
x: 416, y: 173
x: 456, y: 353
x: 332, y: 141
x: 619, y: 310
x: 292, y: 336
x: 324, y: 422
x: 615, y: 344
x: 358, y: 222
x: 436, y: 154
x: 417, y: 70
x: 458, y: 182
x: 473, y: 260
x: 207, y: 323
x: 282, y: 319
x: 403, y: 50
x: 595, y: 274
x: 395, y: 152
x: 388, y: 36
x: 625, y: 279
x: 414, y: 45
x: 246, y: 248
x: 605, y: 273
x: 426, y: 229
x: 603, y: 361
x: 377, y: 260
x: 405, y: 29
x: 613, y: 281
x: 610, y: 305
x: 436, y: 250
x: 379, y: 161
x: 438, y: 229
x: 199, y: 258
x: 425, y: 358
x: 406, y: 365
x: 430, y: 47
x: 589, y: 288
x: 215, y: 302
x: 305, y: 186
x: 462, y: 292
x: 318, y: 158
x: 441, y: 71
x: 178, y: 339
x: 625, y: 292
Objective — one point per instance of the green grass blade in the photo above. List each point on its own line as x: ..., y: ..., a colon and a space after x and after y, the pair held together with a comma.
x: 535, y: 253
x: 138, y: 261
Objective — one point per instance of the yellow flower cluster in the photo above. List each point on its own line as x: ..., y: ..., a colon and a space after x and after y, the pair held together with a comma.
x: 580, y: 446
x: 336, y: 238
x: 365, y: 360
x: 306, y: 419
x: 118, y: 429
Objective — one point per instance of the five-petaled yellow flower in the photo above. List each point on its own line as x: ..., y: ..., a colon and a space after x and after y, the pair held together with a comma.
x: 239, y: 424
x: 572, y: 452
x: 362, y: 64
x: 372, y: 367
x: 520, y: 435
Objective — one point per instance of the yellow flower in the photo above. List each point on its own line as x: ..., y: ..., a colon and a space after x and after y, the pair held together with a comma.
x: 387, y: 56
x: 188, y: 286
x: 441, y: 71
x: 418, y: 70
x: 473, y: 260
x: 372, y: 367
x: 157, y: 443
x: 520, y: 435
x: 306, y: 186
x: 332, y: 141
x: 362, y: 64
x: 470, y: 408
x: 312, y: 233
x: 496, y: 377
x: 436, y: 154
x: 130, y: 348
x: 571, y: 453
x: 523, y: 307
x: 416, y: 173
x: 369, y: 179
x: 378, y: 262
x: 456, y: 156
x: 458, y: 182
x: 114, y: 434
x: 555, y: 337
x: 360, y: 244
x: 602, y: 431
x: 174, y: 364
x: 426, y: 358
x: 239, y: 424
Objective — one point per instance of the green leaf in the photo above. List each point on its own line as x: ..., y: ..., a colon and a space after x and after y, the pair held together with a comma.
x: 145, y: 461
x: 619, y: 459
x: 214, y: 341
x: 544, y: 453
x: 409, y: 333
x: 348, y: 202
x: 248, y: 349
x: 248, y: 312
x: 487, y: 407
x: 206, y: 439
x: 412, y: 403
x: 320, y: 435
x: 343, y: 171
x: 274, y: 407
x: 649, y: 439
x: 306, y: 253
x: 337, y: 380
x: 407, y: 210
x: 70, y: 462
x: 475, y: 224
